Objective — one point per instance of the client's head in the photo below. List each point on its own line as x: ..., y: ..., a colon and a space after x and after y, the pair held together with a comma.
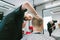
x: 37, y: 24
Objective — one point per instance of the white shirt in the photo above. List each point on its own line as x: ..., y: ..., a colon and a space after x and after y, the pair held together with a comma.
x: 37, y: 37
x: 26, y: 28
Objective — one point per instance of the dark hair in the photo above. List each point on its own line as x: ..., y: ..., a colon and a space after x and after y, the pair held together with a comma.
x: 55, y: 21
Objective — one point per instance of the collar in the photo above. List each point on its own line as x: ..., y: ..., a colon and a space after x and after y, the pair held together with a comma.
x: 35, y: 32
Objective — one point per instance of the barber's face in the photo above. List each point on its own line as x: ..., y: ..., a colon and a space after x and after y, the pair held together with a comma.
x: 27, y: 18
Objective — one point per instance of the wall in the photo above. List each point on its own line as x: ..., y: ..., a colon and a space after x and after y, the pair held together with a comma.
x: 39, y: 9
x: 17, y: 4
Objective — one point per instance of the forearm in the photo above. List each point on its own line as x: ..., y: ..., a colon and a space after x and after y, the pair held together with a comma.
x: 29, y: 7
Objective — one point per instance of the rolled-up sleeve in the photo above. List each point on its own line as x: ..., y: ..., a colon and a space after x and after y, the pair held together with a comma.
x: 22, y: 9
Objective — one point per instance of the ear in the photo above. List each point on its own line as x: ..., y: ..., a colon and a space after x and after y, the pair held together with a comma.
x: 41, y: 26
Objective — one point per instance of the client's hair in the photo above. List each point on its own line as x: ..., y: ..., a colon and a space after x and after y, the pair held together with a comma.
x: 37, y: 21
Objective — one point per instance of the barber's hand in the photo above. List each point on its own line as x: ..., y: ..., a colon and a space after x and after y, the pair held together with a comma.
x: 52, y: 27
x: 24, y: 24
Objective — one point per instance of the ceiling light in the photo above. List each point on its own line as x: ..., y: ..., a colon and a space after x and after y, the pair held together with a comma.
x: 52, y: 4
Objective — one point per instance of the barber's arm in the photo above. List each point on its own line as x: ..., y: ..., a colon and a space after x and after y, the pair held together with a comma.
x: 53, y: 26
x: 29, y: 7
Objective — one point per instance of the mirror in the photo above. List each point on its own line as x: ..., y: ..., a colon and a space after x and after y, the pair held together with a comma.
x: 52, y: 14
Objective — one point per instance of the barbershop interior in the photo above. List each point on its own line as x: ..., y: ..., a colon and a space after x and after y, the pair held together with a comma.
x: 29, y: 19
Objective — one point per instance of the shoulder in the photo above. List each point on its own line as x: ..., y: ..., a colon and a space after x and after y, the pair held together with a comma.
x: 37, y: 37
x: 48, y: 37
